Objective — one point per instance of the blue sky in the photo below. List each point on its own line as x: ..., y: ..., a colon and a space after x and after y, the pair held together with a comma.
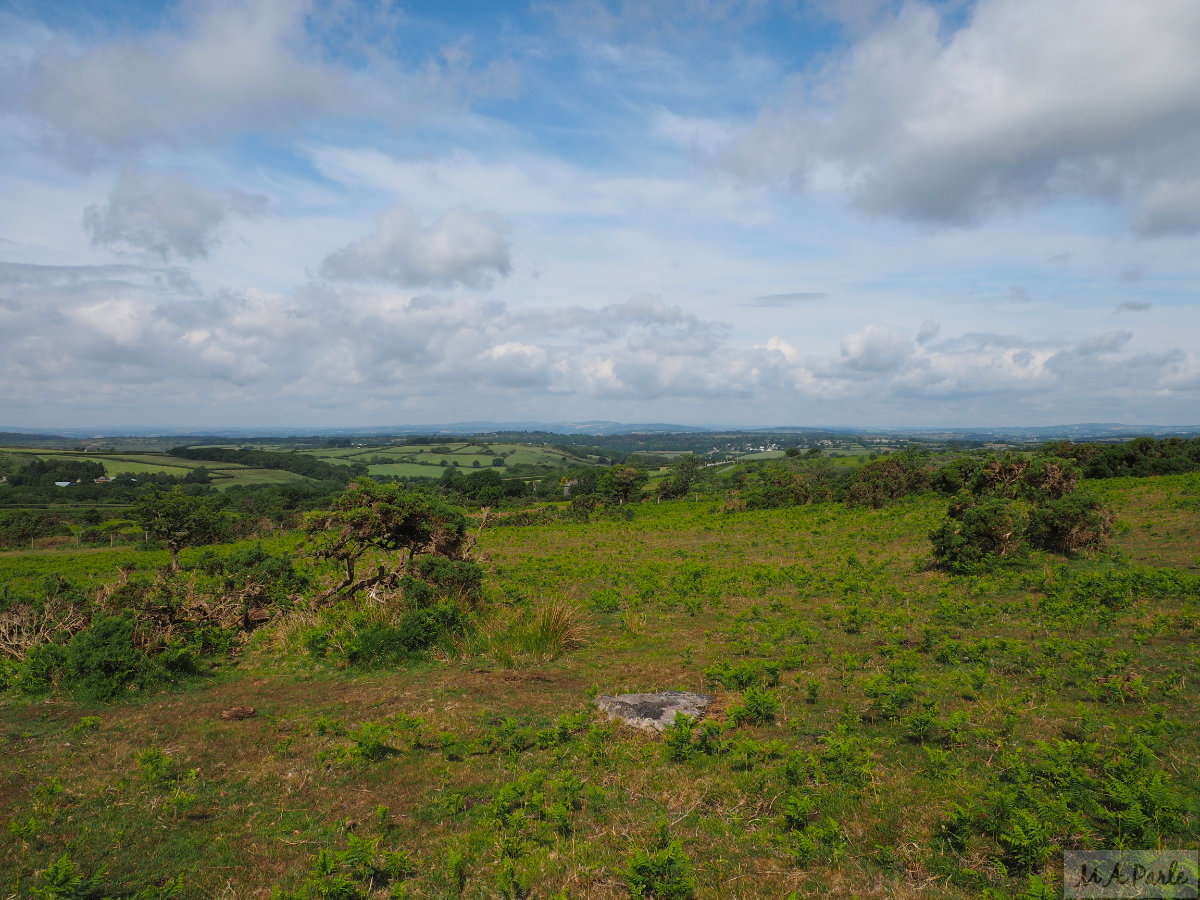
x: 258, y: 212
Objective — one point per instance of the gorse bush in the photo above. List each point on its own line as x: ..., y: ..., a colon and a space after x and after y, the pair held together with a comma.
x: 264, y: 577
x: 1008, y: 503
x: 102, y: 661
x: 380, y: 643
x: 881, y: 482
x: 977, y: 534
x: 1069, y: 524
x: 456, y: 578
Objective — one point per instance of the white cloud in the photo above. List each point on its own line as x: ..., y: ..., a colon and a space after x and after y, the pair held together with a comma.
x: 116, y: 340
x: 164, y: 215
x: 462, y: 247
x: 875, y: 349
x: 628, y: 273
x: 222, y: 68
x: 234, y: 65
x: 1026, y: 102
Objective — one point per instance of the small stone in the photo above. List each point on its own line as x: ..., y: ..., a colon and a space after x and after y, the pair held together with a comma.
x: 653, y: 712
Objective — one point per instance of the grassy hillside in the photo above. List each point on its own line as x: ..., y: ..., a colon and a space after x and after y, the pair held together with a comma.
x: 880, y: 729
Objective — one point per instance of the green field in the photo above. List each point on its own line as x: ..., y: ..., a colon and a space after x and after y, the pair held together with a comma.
x: 419, y: 458
x: 123, y: 463
x: 224, y: 476
x: 879, y: 728
x: 383, y: 461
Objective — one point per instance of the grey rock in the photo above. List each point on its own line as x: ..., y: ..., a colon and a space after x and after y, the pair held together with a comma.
x: 653, y: 712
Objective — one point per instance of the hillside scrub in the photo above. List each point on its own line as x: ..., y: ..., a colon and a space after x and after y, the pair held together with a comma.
x: 1010, y: 503
x: 150, y: 629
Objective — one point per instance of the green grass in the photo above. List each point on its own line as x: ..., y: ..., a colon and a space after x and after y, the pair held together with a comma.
x: 26, y: 571
x: 876, y: 698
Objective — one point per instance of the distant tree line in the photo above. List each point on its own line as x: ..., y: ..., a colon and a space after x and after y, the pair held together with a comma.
x: 38, y: 483
x: 45, y: 472
x: 480, y: 487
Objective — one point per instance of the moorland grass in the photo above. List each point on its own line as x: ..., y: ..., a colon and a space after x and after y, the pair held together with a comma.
x: 881, y: 729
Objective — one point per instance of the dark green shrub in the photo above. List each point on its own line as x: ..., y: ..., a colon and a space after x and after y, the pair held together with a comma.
x: 957, y: 475
x: 417, y: 592
x: 877, y: 483
x: 274, y: 576
x: 38, y: 672
x: 378, y: 645
x: 1069, y: 524
x: 458, y: 579
x: 416, y: 630
x: 977, y: 534
x: 1050, y: 478
x: 102, y: 660
x: 179, y: 658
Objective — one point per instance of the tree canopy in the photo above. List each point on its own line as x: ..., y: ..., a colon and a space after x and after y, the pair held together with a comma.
x: 388, y: 518
x: 179, y: 520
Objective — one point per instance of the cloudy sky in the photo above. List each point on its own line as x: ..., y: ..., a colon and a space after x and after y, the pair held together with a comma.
x: 737, y: 212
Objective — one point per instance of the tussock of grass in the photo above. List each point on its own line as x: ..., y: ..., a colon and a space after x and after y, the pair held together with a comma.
x: 556, y: 627
x: 542, y: 631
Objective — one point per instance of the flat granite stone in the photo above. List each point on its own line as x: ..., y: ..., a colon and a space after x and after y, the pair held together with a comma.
x: 653, y: 712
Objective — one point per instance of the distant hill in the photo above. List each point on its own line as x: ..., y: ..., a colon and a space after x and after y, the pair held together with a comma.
x: 1008, y: 433
x: 23, y: 439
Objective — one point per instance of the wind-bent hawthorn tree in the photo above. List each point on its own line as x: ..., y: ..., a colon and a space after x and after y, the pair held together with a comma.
x: 384, y: 517
x: 622, y: 484
x: 179, y: 520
